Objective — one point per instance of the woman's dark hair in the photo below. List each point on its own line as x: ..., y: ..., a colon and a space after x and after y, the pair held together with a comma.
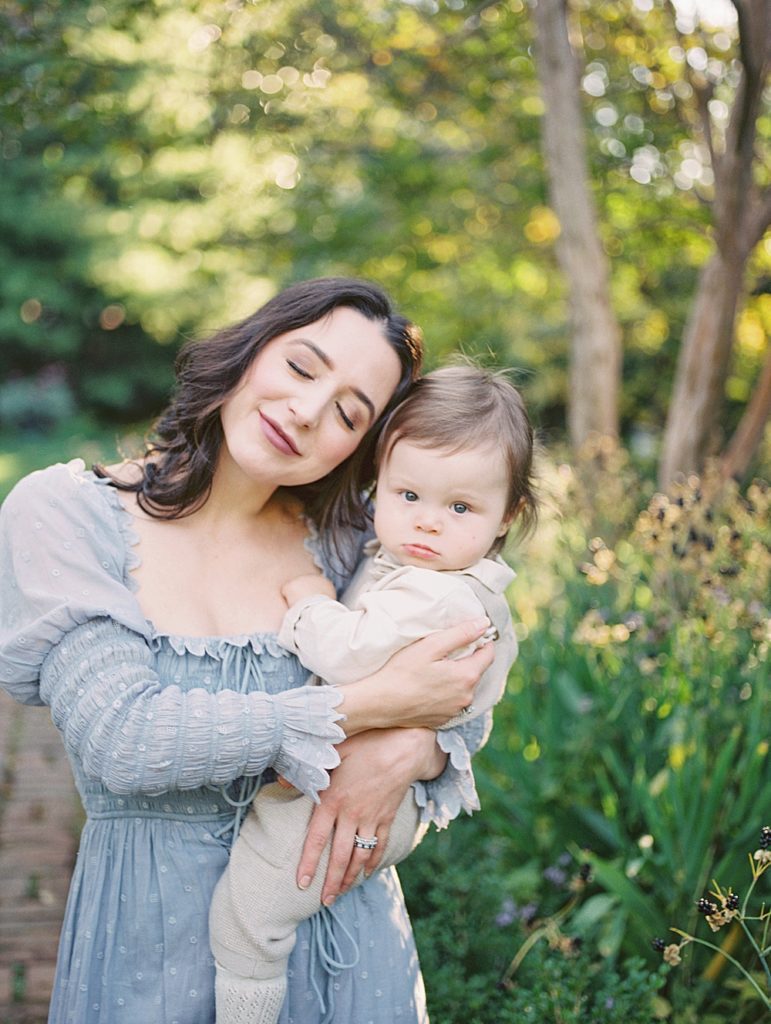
x: 183, y: 448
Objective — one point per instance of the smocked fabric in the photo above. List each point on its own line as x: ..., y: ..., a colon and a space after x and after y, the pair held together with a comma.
x: 169, y: 738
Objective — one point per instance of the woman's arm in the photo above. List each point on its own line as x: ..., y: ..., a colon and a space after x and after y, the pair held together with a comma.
x: 378, y: 766
x: 136, y: 736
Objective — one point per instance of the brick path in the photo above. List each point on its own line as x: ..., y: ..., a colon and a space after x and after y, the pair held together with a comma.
x: 39, y: 823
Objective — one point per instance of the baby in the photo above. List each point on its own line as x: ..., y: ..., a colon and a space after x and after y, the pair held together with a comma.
x: 454, y: 472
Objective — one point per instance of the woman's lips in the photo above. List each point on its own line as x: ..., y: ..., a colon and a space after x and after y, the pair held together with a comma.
x: 276, y: 436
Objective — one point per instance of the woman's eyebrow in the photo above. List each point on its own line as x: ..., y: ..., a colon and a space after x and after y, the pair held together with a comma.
x: 322, y: 355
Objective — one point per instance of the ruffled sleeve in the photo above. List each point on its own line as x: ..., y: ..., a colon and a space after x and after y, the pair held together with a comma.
x: 62, y: 563
x: 135, y: 736
x: 442, y: 799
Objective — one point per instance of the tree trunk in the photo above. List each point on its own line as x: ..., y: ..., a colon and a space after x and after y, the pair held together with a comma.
x: 701, y: 371
x: 595, y: 353
x: 741, y: 213
x: 749, y: 433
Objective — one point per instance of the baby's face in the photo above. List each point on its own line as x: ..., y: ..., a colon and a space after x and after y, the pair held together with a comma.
x: 438, y: 509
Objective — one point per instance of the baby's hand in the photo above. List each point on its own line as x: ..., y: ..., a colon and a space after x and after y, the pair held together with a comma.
x: 311, y: 585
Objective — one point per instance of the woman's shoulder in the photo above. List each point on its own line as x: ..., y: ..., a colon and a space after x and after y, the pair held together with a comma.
x: 65, y: 501
x: 61, y: 482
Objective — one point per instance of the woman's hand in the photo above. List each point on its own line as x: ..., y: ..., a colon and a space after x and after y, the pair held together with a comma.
x: 419, y: 686
x: 375, y: 771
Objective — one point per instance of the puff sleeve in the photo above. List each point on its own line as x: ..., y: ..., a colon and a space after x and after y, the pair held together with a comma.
x: 62, y: 563
x: 72, y: 635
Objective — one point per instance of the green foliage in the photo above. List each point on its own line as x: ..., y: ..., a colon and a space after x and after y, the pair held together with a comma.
x: 168, y: 165
x: 21, y: 452
x: 723, y: 908
x: 468, y: 931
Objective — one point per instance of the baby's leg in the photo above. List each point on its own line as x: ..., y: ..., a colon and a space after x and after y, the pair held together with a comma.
x: 257, y: 905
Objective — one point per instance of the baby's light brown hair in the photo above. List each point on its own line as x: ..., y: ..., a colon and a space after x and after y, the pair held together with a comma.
x: 468, y: 406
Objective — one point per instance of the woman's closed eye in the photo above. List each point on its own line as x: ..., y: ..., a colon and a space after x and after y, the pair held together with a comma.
x: 299, y: 370
x: 349, y: 422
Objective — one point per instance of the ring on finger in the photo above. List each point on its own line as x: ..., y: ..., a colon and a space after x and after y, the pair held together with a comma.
x: 365, y: 842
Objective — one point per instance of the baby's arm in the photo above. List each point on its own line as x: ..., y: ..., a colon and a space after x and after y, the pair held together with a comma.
x: 343, y: 645
x: 310, y: 585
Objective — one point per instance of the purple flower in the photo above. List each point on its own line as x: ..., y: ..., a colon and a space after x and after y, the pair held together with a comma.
x: 555, y: 875
x: 528, y: 912
x: 507, y: 913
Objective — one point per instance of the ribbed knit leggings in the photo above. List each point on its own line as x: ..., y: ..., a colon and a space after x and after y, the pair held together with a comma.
x: 257, y: 905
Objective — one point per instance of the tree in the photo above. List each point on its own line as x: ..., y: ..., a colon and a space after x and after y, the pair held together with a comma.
x: 741, y: 210
x: 595, y: 349
x: 740, y: 207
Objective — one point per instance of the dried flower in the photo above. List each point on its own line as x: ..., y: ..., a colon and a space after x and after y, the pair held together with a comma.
x: 672, y: 955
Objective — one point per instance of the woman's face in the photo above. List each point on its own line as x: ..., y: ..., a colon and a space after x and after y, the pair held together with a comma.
x: 309, y: 398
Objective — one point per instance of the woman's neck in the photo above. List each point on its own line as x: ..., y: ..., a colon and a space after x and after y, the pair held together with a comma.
x: 234, y: 495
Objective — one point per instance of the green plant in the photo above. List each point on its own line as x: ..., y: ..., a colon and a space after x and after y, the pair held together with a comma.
x: 634, y: 727
x: 497, y: 948
x: 724, y: 908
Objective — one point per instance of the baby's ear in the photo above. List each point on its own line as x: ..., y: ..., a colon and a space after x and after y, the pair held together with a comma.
x: 512, y: 515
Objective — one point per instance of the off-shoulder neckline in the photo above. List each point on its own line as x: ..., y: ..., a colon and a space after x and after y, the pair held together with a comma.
x: 257, y: 641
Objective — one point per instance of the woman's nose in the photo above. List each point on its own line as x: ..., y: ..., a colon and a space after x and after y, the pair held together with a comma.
x: 307, y: 409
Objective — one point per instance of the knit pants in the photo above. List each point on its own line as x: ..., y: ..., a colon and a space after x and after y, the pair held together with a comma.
x: 257, y: 905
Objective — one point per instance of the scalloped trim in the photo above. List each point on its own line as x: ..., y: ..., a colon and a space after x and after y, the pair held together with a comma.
x: 218, y: 646
x: 442, y: 799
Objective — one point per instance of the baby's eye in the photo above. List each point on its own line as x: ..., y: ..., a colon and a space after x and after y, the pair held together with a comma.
x: 459, y: 507
x: 295, y: 368
x: 409, y: 496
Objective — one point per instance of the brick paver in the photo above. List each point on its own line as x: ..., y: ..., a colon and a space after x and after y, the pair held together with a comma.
x: 39, y: 823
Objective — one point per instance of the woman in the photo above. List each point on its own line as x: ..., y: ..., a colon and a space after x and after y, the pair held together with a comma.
x: 141, y: 604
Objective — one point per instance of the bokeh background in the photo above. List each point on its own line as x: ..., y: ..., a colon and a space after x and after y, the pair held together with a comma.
x: 167, y: 165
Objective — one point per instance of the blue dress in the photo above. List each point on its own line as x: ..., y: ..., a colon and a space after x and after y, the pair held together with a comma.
x: 168, y: 738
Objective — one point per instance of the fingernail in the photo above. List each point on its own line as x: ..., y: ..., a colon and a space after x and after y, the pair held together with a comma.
x: 305, y: 881
x: 328, y: 900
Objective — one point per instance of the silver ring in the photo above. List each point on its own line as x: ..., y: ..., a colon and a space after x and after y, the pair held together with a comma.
x: 363, y: 843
